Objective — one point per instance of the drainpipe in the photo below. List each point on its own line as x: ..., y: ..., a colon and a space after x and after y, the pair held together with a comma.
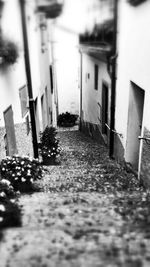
x: 113, y: 82
x: 29, y: 79
x: 1, y: 11
x: 81, y: 62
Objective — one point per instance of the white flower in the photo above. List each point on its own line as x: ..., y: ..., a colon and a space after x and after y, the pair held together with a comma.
x: 29, y: 166
x: 31, y: 180
x: 2, y: 208
x: 22, y: 162
x: 4, y: 181
x: 22, y: 169
x: 16, y: 178
x: 26, y: 157
x: 3, y: 169
x: 29, y: 173
x: 23, y: 179
x: 2, y: 194
x: 1, y: 219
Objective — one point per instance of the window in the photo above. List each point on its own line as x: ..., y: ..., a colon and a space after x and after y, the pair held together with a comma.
x: 96, y: 77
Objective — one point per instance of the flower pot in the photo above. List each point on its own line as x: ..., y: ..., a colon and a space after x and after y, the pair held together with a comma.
x: 49, y: 161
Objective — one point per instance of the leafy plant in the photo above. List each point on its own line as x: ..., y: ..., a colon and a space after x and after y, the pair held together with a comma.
x: 8, y: 52
x: 66, y: 119
x: 52, y: 10
x: 7, y: 190
x: 136, y: 2
x: 10, y: 213
x: 49, y: 144
x: 21, y: 172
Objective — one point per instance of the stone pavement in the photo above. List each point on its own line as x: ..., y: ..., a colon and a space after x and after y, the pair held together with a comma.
x: 90, y: 213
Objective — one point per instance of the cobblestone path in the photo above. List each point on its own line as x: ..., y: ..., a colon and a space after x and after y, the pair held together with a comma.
x: 90, y: 213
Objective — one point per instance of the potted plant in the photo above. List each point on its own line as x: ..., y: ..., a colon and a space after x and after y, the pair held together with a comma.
x: 49, y: 146
x: 67, y: 119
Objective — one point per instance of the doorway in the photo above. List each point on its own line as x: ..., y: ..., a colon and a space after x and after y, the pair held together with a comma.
x: 135, y: 118
x: 44, y: 112
x: 104, y: 108
x: 47, y: 105
x: 37, y: 118
x: 10, y: 138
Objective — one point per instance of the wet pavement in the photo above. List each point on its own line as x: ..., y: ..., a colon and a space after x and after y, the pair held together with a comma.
x: 91, y: 212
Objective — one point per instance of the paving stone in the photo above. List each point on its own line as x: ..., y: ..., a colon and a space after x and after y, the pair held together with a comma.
x: 90, y: 212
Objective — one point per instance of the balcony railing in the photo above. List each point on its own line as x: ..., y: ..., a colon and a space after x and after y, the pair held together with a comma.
x: 101, y: 34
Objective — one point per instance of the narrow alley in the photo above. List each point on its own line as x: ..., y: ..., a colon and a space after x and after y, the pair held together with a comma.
x: 90, y: 212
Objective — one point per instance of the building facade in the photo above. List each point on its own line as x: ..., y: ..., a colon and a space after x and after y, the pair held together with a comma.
x: 131, y: 131
x: 15, y: 120
x: 132, y: 86
x: 95, y: 89
x: 95, y: 95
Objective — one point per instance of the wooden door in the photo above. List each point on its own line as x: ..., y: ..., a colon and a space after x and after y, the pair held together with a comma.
x: 11, y: 146
x: 135, y: 118
x: 104, y: 108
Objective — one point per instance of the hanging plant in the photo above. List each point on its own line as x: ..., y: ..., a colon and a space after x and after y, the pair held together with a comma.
x: 8, y: 52
x: 136, y: 2
x: 52, y: 9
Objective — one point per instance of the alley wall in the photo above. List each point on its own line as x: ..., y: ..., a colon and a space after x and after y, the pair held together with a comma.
x: 132, y: 77
x: 15, y: 124
x: 92, y: 98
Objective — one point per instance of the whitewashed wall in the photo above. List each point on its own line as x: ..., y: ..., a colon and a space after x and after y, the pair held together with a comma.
x: 132, y: 66
x: 133, y: 58
x: 12, y: 78
x: 90, y: 96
